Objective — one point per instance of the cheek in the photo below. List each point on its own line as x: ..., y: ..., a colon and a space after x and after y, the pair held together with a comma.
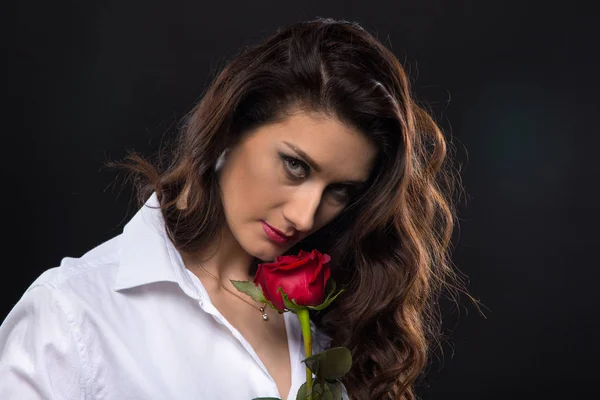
x: 252, y: 187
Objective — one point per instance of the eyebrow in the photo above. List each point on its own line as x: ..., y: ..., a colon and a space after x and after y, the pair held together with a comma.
x: 313, y: 164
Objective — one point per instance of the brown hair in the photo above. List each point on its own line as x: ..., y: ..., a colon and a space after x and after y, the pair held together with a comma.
x: 390, y: 247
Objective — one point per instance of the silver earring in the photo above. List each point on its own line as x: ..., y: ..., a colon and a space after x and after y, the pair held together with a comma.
x: 221, y: 160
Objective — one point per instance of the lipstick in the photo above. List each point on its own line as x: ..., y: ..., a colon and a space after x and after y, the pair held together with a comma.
x: 275, y: 235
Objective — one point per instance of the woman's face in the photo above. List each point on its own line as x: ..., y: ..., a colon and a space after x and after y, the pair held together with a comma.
x: 291, y: 178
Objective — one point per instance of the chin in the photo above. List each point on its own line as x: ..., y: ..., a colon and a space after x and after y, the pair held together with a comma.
x: 267, y: 253
x: 265, y: 256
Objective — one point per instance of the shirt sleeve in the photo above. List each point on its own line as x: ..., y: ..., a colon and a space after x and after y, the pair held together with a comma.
x: 39, y: 357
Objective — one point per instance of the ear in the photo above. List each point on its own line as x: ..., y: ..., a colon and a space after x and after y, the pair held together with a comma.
x: 182, y: 201
x: 221, y: 160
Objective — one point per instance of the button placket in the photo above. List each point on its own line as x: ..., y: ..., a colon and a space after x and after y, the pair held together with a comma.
x: 206, y: 305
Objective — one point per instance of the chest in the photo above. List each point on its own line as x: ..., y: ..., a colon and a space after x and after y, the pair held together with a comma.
x: 268, y: 339
x: 271, y: 345
x: 192, y: 352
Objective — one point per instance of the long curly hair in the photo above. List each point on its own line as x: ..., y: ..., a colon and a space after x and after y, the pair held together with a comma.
x: 390, y: 247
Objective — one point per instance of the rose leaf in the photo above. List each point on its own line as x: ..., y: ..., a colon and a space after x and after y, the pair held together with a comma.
x: 266, y: 398
x: 302, y: 395
x: 289, y: 304
x: 336, y: 389
x: 327, y: 301
x: 321, y: 391
x: 250, y: 289
x: 330, y: 364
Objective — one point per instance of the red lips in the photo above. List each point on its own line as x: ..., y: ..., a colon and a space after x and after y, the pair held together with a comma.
x: 274, y: 234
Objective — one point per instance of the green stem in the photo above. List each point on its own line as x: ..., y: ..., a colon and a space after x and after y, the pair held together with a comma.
x: 306, y: 335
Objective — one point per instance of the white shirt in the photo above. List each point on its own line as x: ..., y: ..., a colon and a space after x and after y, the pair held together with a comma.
x: 128, y: 321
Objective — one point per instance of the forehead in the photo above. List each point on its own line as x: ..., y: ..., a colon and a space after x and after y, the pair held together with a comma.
x: 339, y: 149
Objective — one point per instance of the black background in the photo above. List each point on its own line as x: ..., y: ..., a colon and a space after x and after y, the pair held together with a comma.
x: 514, y: 83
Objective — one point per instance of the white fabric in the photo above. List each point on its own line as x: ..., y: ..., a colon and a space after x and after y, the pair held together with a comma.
x: 128, y: 321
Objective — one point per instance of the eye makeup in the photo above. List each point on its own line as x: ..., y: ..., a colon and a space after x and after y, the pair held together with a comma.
x: 298, y: 170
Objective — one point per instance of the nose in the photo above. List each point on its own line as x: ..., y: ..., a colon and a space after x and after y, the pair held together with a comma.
x: 301, y: 209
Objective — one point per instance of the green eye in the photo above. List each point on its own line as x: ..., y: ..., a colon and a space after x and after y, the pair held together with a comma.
x: 341, y: 193
x: 295, y: 168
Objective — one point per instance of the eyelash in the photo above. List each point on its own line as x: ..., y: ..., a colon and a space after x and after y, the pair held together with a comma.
x: 287, y: 160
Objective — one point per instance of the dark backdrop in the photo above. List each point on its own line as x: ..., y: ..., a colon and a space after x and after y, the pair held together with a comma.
x: 514, y: 83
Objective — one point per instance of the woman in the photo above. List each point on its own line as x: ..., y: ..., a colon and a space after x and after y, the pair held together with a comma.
x: 309, y: 139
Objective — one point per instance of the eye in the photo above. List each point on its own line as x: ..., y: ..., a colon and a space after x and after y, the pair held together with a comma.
x: 295, y: 168
x: 341, y: 193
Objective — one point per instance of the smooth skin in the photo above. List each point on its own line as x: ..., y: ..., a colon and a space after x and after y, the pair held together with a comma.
x: 297, y: 175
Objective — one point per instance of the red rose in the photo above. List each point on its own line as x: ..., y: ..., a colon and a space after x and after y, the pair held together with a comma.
x: 302, y: 277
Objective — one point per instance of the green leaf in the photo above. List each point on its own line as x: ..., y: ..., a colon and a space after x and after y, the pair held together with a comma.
x: 336, y: 390
x: 327, y: 301
x: 330, y: 286
x: 250, y: 289
x: 327, y: 395
x: 289, y: 304
x: 317, y: 391
x: 302, y: 395
x: 266, y: 398
x: 331, y: 364
x: 331, y: 289
x: 321, y: 392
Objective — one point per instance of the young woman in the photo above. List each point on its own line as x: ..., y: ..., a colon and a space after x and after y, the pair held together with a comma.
x: 308, y: 140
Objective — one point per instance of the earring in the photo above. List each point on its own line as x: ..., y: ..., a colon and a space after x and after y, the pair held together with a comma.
x: 221, y: 160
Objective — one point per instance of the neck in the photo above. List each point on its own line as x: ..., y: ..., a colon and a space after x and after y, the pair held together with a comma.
x: 223, y: 258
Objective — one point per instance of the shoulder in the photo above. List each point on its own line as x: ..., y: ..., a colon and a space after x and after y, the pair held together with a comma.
x: 85, y: 275
x: 54, y: 304
x: 74, y: 282
x: 43, y: 345
x: 74, y: 285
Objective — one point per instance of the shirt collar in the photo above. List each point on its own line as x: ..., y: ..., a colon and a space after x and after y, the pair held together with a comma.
x: 147, y: 255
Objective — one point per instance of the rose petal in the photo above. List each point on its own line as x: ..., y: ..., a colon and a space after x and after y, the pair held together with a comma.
x: 302, y: 277
x: 285, y: 259
x: 315, y: 294
x: 258, y: 273
x: 316, y: 273
x: 303, y: 253
x: 294, y: 265
x: 268, y: 265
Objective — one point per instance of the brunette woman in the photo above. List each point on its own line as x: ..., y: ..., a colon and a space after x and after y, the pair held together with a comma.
x: 308, y: 140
